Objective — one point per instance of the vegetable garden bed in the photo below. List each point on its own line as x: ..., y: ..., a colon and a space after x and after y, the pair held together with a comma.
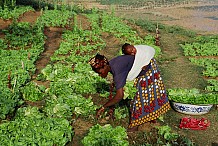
x: 72, y: 94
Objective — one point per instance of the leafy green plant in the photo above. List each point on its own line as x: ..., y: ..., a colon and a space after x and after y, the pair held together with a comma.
x: 210, y: 65
x: 129, y: 90
x: 202, y: 46
x: 28, y: 112
x: 163, y: 135
x: 166, y: 136
x: 8, y: 101
x: 33, y: 92
x: 14, y: 13
x: 165, y: 131
x: 106, y: 136
x: 148, y: 25
x: 22, y: 35
x: 192, y: 96
x: 55, y: 17
x: 213, y: 85
x: 30, y: 127
x: 66, y: 105
x: 120, y: 112
x: 3, y: 44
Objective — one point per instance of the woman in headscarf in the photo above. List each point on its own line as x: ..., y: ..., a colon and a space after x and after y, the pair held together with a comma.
x: 150, y: 100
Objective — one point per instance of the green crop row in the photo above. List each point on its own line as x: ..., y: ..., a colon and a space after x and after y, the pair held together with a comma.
x: 205, y: 48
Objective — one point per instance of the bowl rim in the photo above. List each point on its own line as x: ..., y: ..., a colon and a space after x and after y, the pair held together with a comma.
x: 191, y: 103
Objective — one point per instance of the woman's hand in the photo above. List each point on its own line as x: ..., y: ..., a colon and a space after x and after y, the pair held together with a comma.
x: 117, y: 98
x: 99, y: 112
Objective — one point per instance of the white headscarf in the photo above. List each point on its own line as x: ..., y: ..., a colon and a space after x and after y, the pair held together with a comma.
x: 143, y: 56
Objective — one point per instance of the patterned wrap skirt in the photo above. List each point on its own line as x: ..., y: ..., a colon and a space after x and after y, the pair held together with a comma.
x: 151, y: 100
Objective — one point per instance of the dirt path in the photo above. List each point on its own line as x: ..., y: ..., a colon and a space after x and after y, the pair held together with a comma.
x: 30, y: 16
x: 53, y: 35
x: 52, y: 42
x: 112, y: 45
x: 4, y: 25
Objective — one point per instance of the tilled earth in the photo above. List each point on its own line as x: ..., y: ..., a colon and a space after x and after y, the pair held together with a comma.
x: 177, y: 72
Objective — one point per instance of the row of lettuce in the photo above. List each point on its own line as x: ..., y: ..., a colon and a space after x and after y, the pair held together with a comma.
x: 69, y: 74
x: 202, y: 52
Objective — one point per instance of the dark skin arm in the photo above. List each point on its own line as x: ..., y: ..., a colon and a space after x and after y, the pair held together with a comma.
x: 117, y: 98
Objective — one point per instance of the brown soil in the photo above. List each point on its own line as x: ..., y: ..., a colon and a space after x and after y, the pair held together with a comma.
x: 4, y: 25
x: 177, y: 71
x: 30, y: 16
x: 53, y: 35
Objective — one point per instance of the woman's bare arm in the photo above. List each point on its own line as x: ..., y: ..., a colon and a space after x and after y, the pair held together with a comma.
x: 117, y: 98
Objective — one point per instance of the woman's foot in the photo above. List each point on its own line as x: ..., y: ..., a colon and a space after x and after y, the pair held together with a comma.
x: 133, y: 129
